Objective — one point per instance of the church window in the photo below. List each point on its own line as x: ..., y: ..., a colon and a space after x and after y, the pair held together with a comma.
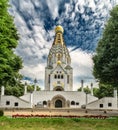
x: 58, y: 76
x: 58, y: 36
x: 77, y: 103
x: 49, y: 79
x: 59, y: 39
x: 16, y: 104
x: 72, y: 102
x: 59, y: 57
x: 109, y: 104
x: 44, y: 103
x: 101, y: 105
x: 7, y: 102
x: 62, y: 76
x: 68, y: 79
x: 55, y: 76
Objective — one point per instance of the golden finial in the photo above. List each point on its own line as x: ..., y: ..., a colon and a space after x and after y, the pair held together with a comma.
x: 58, y: 62
x: 59, y: 29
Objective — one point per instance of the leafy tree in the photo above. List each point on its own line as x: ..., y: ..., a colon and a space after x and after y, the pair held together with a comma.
x: 96, y: 92
x: 16, y: 90
x: 30, y: 88
x: 10, y: 63
x: 106, y: 57
x: 103, y: 91
x: 86, y: 90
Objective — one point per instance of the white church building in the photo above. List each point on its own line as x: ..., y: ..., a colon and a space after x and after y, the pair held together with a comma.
x: 58, y: 92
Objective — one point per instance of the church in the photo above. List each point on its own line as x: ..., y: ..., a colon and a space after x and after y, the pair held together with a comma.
x: 58, y: 92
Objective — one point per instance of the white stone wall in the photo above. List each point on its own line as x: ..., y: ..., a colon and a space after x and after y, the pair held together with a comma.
x: 105, y: 101
x: 12, y: 100
x: 77, y: 97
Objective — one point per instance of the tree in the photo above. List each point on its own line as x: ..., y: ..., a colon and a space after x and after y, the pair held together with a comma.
x: 106, y: 58
x: 10, y: 63
x: 103, y: 91
x: 86, y: 90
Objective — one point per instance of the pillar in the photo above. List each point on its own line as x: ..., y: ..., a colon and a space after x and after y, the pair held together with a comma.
x: 35, y: 81
x: 31, y: 99
x: 92, y: 89
x: 82, y: 82
x: 115, y: 93
x: 2, y: 91
x: 25, y: 91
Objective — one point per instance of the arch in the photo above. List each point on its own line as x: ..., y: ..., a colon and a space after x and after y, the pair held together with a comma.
x: 58, y: 76
x: 62, y: 76
x: 55, y: 76
x: 58, y: 101
x: 72, y: 102
x: 58, y: 88
x: 44, y: 103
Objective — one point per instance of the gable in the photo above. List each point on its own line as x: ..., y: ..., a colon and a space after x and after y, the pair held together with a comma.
x: 58, y: 68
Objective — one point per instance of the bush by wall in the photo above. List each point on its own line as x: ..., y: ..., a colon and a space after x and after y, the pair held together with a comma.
x: 1, y: 112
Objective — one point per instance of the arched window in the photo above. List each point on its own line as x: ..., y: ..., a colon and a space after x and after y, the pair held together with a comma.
x: 59, y: 57
x: 55, y: 76
x: 58, y: 76
x: 62, y: 76
x: 49, y: 78
x: 68, y: 79
x: 44, y: 103
x: 72, y: 102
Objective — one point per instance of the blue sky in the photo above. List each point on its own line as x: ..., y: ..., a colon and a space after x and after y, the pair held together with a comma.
x: 83, y: 22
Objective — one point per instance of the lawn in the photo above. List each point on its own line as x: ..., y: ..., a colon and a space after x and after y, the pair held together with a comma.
x: 58, y: 124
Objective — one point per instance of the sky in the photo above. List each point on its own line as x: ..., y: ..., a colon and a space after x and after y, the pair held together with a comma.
x: 83, y: 22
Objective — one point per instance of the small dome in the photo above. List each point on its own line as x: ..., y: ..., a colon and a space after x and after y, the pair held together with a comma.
x: 58, y: 62
x: 59, y: 29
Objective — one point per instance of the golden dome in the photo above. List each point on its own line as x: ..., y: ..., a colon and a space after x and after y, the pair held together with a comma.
x: 59, y: 29
x: 58, y: 62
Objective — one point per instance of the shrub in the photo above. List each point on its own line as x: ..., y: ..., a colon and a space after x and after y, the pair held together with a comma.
x: 1, y: 113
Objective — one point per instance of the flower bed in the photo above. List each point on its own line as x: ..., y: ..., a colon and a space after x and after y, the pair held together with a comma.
x: 59, y: 116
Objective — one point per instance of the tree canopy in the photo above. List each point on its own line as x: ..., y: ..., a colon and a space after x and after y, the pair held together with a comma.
x: 106, y: 58
x: 10, y: 63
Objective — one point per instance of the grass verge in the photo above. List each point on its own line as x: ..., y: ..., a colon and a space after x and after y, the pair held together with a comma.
x: 58, y: 124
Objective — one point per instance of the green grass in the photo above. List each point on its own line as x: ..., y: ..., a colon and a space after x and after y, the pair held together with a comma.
x: 57, y: 124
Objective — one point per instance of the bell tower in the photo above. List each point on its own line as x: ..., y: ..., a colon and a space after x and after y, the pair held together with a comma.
x: 58, y: 72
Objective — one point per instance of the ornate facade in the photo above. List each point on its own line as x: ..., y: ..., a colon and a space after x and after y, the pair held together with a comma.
x: 59, y: 73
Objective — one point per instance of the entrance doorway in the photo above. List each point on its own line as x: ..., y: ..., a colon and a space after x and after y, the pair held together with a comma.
x: 58, y: 104
x: 58, y: 101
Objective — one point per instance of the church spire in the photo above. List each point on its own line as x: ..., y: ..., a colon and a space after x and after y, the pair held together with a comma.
x: 58, y: 35
x: 59, y: 53
x: 58, y: 72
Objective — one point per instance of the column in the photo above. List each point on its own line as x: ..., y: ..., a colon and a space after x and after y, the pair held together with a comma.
x: 2, y: 91
x: 82, y: 87
x: 92, y: 89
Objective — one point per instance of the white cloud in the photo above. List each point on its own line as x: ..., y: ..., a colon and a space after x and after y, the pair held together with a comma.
x: 82, y: 67
x: 53, y: 7
x: 34, y: 46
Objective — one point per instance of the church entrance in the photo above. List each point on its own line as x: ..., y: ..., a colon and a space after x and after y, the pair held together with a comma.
x: 58, y: 104
x: 58, y: 101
